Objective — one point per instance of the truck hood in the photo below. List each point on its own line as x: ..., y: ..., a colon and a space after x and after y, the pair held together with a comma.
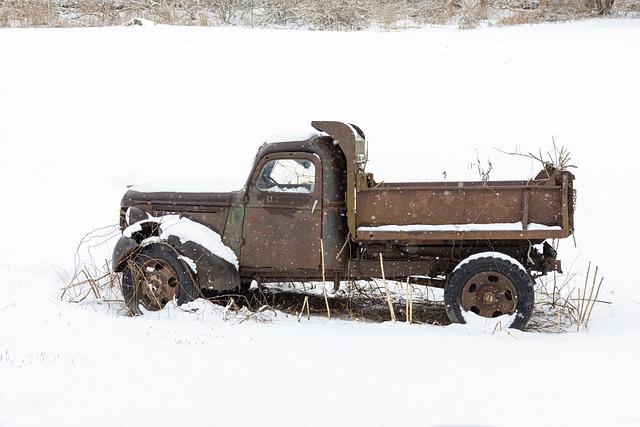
x: 206, y: 207
x: 174, y: 201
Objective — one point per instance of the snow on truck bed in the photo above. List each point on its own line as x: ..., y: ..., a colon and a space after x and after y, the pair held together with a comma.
x: 516, y: 226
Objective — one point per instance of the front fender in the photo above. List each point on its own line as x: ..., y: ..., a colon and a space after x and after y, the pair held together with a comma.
x: 200, y: 247
x: 125, y: 246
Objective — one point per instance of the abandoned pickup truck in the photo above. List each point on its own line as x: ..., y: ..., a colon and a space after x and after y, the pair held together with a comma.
x: 482, y: 241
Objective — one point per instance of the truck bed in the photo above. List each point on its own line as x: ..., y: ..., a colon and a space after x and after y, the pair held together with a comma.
x: 503, y: 210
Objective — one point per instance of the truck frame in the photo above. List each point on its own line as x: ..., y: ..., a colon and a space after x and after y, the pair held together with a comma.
x: 309, y: 211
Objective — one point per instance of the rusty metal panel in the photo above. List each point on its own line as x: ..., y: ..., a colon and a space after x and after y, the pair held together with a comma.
x: 352, y: 142
x: 387, y: 205
x: 214, y: 220
x: 545, y: 204
x: 210, y: 209
x: 183, y: 200
x: 283, y: 230
x: 415, y: 237
x: 232, y: 236
x: 335, y: 234
x: 279, y: 235
x: 395, y: 269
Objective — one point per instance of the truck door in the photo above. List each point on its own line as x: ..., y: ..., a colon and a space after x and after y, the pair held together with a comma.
x: 283, y: 216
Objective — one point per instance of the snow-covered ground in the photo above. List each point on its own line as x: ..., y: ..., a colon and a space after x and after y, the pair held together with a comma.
x: 84, y: 112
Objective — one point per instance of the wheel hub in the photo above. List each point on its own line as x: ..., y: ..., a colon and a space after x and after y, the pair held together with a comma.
x: 489, y: 294
x: 157, y: 284
x: 489, y: 298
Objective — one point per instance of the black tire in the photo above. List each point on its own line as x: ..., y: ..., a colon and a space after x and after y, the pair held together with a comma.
x: 245, y: 286
x: 165, y: 275
x: 490, y: 287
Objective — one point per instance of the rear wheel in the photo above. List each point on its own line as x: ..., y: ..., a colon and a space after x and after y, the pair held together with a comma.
x: 155, y: 276
x: 490, y: 286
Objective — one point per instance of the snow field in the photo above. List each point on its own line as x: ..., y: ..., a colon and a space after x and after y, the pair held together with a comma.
x: 84, y: 112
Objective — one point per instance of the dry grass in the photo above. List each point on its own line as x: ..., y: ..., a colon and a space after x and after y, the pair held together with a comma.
x: 563, y: 304
x: 558, y: 158
x: 311, y: 14
x: 521, y: 17
x: 362, y: 300
x: 94, y: 284
x: 94, y: 280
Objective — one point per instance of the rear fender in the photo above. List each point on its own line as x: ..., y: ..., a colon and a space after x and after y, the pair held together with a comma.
x: 212, y: 271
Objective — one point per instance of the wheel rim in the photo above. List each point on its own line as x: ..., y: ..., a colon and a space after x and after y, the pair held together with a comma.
x: 157, y: 284
x: 489, y: 294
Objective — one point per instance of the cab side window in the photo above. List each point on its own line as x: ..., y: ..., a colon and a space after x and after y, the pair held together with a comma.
x: 287, y: 176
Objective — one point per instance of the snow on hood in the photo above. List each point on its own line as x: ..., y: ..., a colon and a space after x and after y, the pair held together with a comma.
x: 221, y: 186
x: 187, y: 231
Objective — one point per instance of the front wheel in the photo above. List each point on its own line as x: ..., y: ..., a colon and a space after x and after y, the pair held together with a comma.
x: 490, y: 285
x: 155, y: 276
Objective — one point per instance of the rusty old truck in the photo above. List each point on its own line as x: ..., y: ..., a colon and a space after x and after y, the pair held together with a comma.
x: 309, y: 211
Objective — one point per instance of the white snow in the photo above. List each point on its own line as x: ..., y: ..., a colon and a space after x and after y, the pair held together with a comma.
x: 276, y: 189
x: 84, y: 112
x: 291, y: 137
x: 510, y: 226
x: 490, y: 254
x: 220, y: 186
x: 482, y: 325
x: 534, y: 226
